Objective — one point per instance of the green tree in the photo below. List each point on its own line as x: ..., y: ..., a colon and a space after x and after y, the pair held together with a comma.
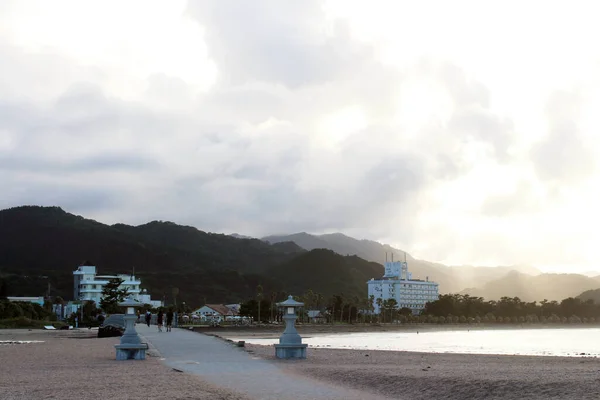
x: 112, y: 296
x: 89, y: 309
x: 379, y: 303
x: 250, y: 308
x: 405, y: 311
x: 342, y: 305
x: 354, y: 303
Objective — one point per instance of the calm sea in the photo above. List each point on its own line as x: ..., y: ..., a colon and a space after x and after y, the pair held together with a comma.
x: 539, y: 342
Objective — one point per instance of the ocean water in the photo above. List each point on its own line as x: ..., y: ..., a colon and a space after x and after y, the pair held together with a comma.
x: 538, y: 342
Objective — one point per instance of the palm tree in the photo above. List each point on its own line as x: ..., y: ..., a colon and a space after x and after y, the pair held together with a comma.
x: 341, y: 296
x: 356, y: 302
x: 273, y: 298
x: 259, y: 295
x: 308, y: 301
x: 379, y: 303
x: 319, y: 300
x: 59, y: 301
x: 333, y: 301
x: 371, y: 305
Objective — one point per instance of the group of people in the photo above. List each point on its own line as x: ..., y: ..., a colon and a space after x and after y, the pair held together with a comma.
x: 160, y: 320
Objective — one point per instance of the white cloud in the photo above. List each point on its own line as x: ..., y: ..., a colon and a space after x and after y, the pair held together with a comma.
x: 452, y: 129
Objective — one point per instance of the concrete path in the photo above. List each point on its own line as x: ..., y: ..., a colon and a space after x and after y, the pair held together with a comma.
x: 227, y: 366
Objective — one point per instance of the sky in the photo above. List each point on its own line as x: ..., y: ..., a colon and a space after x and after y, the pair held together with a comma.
x: 460, y: 132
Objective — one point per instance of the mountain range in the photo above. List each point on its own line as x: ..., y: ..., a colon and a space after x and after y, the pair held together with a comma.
x: 40, y: 247
x: 492, y: 283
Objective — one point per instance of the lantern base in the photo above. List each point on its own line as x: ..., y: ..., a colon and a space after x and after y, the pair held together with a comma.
x: 287, y: 351
x: 131, y: 351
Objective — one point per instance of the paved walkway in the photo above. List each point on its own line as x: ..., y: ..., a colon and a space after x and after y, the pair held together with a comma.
x: 227, y: 366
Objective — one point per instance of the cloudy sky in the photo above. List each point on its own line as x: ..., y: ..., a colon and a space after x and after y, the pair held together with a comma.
x: 462, y: 132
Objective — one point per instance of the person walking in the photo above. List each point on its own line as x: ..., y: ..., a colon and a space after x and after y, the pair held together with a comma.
x: 169, y: 319
x: 159, y: 320
x: 148, y: 318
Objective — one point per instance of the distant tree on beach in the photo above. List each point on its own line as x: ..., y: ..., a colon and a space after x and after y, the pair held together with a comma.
x: 513, y: 310
x: 405, y: 311
x: 112, y: 296
x: 250, y: 308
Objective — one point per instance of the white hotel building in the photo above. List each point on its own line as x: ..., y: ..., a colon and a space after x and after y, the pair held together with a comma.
x: 397, y: 283
x: 87, y: 285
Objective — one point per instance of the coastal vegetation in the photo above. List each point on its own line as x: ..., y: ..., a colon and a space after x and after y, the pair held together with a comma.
x: 449, y: 309
x: 112, y: 295
x: 26, y: 315
x: 465, y: 308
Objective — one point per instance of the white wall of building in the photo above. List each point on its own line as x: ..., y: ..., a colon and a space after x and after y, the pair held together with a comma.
x: 145, y: 298
x: 88, y: 285
x: 397, y: 283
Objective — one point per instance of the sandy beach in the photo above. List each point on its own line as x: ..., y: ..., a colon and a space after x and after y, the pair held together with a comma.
x: 404, y: 375
x: 77, y: 365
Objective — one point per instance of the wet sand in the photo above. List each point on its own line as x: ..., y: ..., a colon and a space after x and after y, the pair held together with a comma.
x: 405, y: 375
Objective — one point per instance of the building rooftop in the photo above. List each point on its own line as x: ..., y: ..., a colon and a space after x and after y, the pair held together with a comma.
x: 221, y: 309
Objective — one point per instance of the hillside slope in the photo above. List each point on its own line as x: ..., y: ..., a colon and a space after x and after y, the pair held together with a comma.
x: 41, y: 245
x: 326, y: 272
x: 451, y: 279
x: 535, y: 288
x: 593, y: 294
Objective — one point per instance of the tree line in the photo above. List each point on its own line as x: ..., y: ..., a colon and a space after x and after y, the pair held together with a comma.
x: 513, y: 309
x: 449, y: 308
x: 332, y: 309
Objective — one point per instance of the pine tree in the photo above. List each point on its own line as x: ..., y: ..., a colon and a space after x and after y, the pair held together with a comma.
x: 112, y: 296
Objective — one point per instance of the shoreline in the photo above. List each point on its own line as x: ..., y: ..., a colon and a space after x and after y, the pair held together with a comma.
x: 515, y: 342
x: 274, y: 331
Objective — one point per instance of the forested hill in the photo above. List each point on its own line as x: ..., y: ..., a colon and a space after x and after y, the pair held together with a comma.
x: 41, y: 245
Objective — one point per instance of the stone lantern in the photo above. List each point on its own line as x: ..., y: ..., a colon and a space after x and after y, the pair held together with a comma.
x: 131, y: 346
x: 290, y: 343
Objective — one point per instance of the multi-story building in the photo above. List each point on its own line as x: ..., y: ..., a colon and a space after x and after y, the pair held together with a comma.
x: 144, y: 298
x: 88, y: 286
x: 397, y: 283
